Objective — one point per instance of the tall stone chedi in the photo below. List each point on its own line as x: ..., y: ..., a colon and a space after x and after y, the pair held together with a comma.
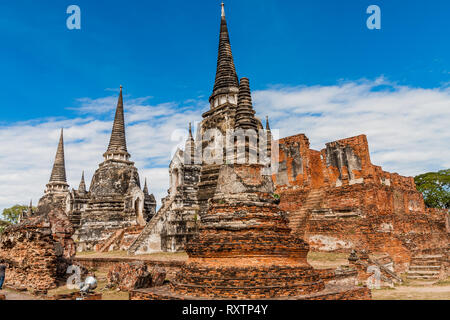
x: 57, y: 187
x: 220, y: 117
x: 116, y: 200
x: 194, y: 172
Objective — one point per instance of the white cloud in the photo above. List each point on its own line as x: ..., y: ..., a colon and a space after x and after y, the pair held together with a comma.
x: 407, y: 128
x: 30, y: 147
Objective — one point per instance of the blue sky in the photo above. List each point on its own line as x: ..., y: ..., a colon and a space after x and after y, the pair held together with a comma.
x: 167, y: 49
x: 314, y: 68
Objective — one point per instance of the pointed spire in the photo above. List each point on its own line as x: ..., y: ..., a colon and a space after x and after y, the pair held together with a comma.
x: 226, y: 76
x: 269, y: 138
x: 245, y: 115
x: 145, y: 187
x: 190, y: 131
x: 82, y: 187
x: 59, y: 167
x: 30, y: 209
x: 189, y: 148
x: 118, y: 140
x: 267, y: 123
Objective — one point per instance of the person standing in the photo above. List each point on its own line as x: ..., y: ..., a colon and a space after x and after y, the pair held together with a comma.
x: 2, y: 274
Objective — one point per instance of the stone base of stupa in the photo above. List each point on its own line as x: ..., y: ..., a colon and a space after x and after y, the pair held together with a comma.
x: 330, y: 292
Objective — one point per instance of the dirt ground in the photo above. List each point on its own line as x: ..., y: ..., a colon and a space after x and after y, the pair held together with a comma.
x: 409, y: 290
x: 16, y: 295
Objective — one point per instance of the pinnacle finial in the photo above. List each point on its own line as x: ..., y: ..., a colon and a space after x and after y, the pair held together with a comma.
x: 245, y: 115
x: 59, y: 168
x: 29, y: 212
x: 267, y: 123
x: 190, y: 130
x: 82, y: 186
x: 226, y: 77
x: 145, y: 187
x: 118, y: 141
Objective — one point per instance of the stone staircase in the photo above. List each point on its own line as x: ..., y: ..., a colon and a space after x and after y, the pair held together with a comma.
x: 312, y: 203
x: 75, y: 218
x: 149, y: 227
x: 114, y: 237
x: 207, y: 185
x: 425, y: 267
x: 386, y: 266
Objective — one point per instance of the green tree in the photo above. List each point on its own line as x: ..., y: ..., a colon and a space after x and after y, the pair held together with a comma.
x: 12, y: 214
x: 3, y: 225
x: 435, y: 187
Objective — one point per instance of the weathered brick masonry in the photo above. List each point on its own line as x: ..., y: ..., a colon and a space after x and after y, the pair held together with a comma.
x: 245, y: 250
x: 339, y: 200
x: 37, y: 251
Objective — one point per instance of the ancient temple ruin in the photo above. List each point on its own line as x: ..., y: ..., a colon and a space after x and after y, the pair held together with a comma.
x: 177, y: 220
x: 244, y: 249
x: 339, y: 201
x: 335, y: 199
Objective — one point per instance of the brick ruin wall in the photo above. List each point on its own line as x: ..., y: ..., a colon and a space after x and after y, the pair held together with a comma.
x: 38, y: 251
x: 171, y: 267
x: 339, y: 200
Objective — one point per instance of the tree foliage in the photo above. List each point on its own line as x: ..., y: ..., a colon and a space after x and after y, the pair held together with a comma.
x: 12, y: 214
x: 435, y: 187
x: 3, y: 225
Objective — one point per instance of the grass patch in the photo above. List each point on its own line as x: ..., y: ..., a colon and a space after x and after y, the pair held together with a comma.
x: 444, y: 282
x: 165, y: 256
x: 323, y: 260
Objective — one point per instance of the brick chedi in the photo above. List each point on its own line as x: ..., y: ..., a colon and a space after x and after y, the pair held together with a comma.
x: 244, y: 249
x: 116, y: 200
x: 39, y: 249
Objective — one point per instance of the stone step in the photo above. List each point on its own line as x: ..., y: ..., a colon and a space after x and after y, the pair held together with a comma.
x: 210, y: 170
x: 425, y: 257
x: 425, y: 263
x: 421, y: 272
x: 424, y: 267
x: 422, y: 277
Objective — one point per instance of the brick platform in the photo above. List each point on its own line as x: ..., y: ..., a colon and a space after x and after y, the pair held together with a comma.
x: 329, y: 293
